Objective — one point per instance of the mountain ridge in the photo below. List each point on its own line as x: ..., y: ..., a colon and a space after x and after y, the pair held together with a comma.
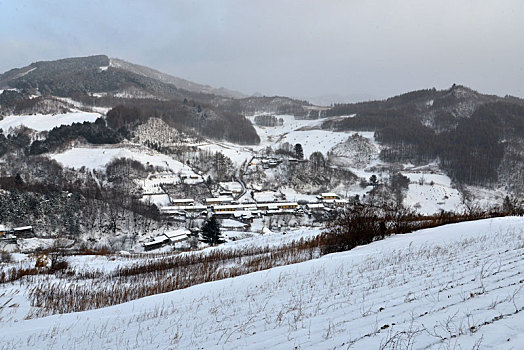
x: 178, y: 82
x: 103, y: 63
x: 476, y: 137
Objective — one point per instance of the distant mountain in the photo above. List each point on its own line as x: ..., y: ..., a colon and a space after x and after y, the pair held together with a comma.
x: 178, y: 82
x: 477, y: 138
x: 269, y: 104
x: 100, y: 74
x: 328, y: 100
x: 98, y: 81
x: 438, y: 109
x: 90, y: 75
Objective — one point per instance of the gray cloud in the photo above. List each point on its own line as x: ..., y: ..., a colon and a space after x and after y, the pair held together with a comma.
x: 297, y: 48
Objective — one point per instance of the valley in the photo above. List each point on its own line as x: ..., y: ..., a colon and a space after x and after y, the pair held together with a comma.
x: 142, y: 210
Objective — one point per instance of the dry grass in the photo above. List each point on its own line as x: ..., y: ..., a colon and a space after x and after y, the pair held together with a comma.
x: 73, y: 290
x: 79, y: 291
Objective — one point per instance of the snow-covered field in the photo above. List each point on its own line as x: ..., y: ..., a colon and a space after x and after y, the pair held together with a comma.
x: 299, y: 131
x: 159, y: 199
x: 237, y: 153
x: 99, y: 157
x: 232, y: 186
x: 305, y: 132
x: 427, y: 199
x: 43, y: 122
x: 314, y: 140
x: 456, y: 286
x: 430, y: 193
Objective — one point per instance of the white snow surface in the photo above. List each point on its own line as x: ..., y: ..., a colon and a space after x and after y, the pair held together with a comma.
x: 159, y: 199
x: 99, y: 157
x: 237, y: 153
x: 430, y: 199
x: 229, y: 223
x: 45, y: 122
x: 305, y: 132
x: 314, y: 140
x: 455, y: 286
x: 232, y: 186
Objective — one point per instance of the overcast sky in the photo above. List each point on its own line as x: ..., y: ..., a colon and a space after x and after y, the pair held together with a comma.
x: 295, y: 48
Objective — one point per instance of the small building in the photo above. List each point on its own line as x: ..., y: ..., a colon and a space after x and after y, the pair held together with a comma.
x: 315, y: 206
x: 277, y: 206
x: 3, y: 230
x: 327, y: 196
x: 179, y: 209
x: 23, y: 231
x: 234, y: 207
x: 341, y: 203
x: 219, y: 200
x: 287, y: 205
x: 173, y: 208
x: 247, y: 216
x: 191, y: 178
x: 8, y: 239
x: 182, y: 201
x: 155, y: 243
x: 177, y: 236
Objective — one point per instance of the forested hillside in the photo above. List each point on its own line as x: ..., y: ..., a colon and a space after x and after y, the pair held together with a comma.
x: 468, y: 132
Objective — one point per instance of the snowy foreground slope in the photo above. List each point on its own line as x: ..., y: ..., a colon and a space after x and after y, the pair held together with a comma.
x: 456, y: 286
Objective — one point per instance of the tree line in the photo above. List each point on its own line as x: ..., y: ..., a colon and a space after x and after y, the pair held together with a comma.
x: 471, y: 152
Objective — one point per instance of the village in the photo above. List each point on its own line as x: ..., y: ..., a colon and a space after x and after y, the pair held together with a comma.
x: 184, y: 216
x: 237, y: 207
x: 235, y: 216
x: 241, y: 211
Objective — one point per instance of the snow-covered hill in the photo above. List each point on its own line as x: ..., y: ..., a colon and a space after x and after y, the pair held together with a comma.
x: 98, y: 157
x: 355, y: 151
x: 293, y: 131
x: 358, y: 151
x: 178, y: 82
x: 45, y: 122
x: 456, y: 286
x: 430, y: 193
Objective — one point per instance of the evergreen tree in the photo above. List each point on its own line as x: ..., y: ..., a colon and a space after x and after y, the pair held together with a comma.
x: 19, y: 182
x: 211, y: 232
x: 508, y: 206
x: 317, y: 161
x: 299, y: 152
x: 373, y: 180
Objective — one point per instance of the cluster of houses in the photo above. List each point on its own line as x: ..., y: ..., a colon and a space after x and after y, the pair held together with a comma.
x: 265, y: 162
x: 273, y: 162
x: 236, y: 216
x: 226, y: 207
